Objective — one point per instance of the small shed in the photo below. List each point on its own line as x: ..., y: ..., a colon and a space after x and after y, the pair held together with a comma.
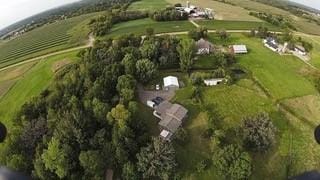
x: 239, y: 49
x: 170, y: 82
x: 213, y: 82
x: 204, y: 46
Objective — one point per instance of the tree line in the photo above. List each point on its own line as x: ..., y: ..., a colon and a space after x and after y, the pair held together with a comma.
x: 169, y: 14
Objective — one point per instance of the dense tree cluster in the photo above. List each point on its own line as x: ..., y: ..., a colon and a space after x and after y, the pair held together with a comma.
x: 87, y: 121
x: 201, y: 32
x: 169, y: 14
x: 101, y: 25
x: 259, y: 132
x: 232, y: 163
x: 276, y: 20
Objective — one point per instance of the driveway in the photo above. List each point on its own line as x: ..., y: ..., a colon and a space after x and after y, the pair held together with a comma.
x: 145, y: 95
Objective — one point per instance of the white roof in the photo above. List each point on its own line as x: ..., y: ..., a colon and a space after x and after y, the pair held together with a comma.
x: 164, y: 133
x: 239, y: 48
x: 170, y: 81
x: 214, y: 80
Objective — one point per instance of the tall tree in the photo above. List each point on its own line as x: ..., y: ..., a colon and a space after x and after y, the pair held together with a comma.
x: 259, y: 132
x: 186, y: 50
x: 146, y: 70
x: 232, y: 163
x: 157, y: 160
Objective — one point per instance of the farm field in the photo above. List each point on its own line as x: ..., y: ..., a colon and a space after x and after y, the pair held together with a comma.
x: 222, y: 11
x: 31, y: 82
x: 139, y: 27
x: 277, y: 74
x: 148, y: 5
x: 10, y: 76
x: 300, y: 23
x: 236, y: 25
x: 296, y: 118
x: 61, y: 35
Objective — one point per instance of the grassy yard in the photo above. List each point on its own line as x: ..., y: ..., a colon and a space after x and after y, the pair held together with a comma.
x: 148, y: 5
x: 30, y: 84
x: 49, y: 38
x: 235, y: 25
x: 280, y: 75
x: 222, y: 11
x: 139, y: 27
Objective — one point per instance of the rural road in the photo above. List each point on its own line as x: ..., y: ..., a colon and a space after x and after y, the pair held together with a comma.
x: 89, y: 44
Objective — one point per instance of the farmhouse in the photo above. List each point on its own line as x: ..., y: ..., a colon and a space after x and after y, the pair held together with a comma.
x: 170, y: 82
x: 300, y: 50
x: 204, y: 46
x: 213, y: 82
x: 271, y: 44
x: 171, y: 118
x: 239, y: 49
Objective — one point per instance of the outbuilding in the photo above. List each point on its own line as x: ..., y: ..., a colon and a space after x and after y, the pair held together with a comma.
x: 170, y: 82
x: 239, y: 49
x: 213, y: 82
x: 204, y: 46
x: 300, y: 49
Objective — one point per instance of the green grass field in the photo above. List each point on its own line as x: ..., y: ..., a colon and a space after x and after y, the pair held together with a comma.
x: 61, y: 35
x: 279, y: 75
x: 300, y: 23
x: 235, y: 25
x: 30, y: 84
x: 139, y: 27
x: 148, y: 5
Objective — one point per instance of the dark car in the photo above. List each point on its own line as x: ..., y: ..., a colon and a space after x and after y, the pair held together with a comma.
x: 157, y: 100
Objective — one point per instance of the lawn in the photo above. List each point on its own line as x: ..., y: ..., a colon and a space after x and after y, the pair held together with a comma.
x: 235, y: 25
x: 279, y: 75
x: 10, y: 76
x: 30, y: 84
x: 49, y: 38
x: 139, y: 27
x: 222, y: 11
x: 148, y: 5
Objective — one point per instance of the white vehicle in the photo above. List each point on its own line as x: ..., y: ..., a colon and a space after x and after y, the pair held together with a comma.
x: 157, y: 87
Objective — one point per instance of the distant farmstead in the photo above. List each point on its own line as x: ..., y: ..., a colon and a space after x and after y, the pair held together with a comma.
x: 239, y: 49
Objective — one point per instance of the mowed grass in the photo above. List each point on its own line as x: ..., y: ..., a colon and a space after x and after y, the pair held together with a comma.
x: 222, y: 11
x: 138, y: 27
x: 235, y: 25
x: 301, y: 24
x: 60, y: 35
x: 148, y: 5
x: 279, y: 75
x: 29, y: 85
x: 9, y: 76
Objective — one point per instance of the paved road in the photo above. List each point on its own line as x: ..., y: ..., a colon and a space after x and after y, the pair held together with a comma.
x: 89, y: 44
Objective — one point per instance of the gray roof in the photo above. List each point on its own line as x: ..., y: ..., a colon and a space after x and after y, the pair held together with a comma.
x: 171, y: 115
x: 202, y: 44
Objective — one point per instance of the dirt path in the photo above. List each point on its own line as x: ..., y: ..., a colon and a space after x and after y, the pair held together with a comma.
x: 89, y: 44
x: 194, y: 23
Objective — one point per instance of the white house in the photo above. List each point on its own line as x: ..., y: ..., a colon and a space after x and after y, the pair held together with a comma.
x: 300, y: 50
x: 170, y: 82
x: 271, y: 44
x: 239, y: 49
x: 213, y: 82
